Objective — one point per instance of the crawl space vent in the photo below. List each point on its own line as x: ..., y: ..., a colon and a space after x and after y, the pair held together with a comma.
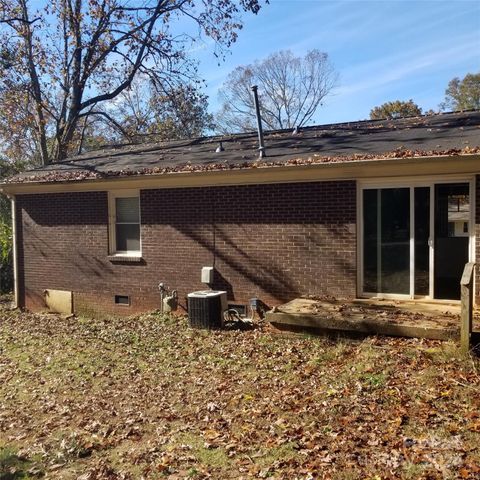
x: 122, y: 300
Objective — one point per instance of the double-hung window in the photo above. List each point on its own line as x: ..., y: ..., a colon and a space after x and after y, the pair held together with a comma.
x: 124, y: 211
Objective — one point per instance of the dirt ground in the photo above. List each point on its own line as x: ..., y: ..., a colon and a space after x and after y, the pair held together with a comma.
x: 149, y: 397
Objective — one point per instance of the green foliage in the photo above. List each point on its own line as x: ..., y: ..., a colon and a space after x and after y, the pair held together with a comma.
x: 6, y: 238
x: 7, y: 169
x: 463, y: 94
x: 6, y: 243
x: 15, y: 467
x: 396, y: 109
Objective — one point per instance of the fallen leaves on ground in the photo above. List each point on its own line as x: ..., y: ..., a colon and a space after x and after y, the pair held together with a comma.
x: 149, y: 397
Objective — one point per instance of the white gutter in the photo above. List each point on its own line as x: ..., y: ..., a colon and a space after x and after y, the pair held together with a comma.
x: 15, y: 256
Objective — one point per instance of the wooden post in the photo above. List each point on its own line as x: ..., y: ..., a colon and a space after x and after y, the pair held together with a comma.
x: 466, y: 315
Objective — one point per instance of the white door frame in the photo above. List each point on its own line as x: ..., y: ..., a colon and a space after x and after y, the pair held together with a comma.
x: 411, y: 182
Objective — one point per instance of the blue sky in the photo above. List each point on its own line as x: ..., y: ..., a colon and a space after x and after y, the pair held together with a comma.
x: 383, y: 50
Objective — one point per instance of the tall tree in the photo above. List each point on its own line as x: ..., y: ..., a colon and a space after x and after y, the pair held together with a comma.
x: 463, y: 94
x: 147, y: 112
x: 63, y: 62
x: 291, y: 89
x: 396, y: 109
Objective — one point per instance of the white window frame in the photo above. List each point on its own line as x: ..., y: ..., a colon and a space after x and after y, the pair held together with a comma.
x: 112, y: 216
x: 412, y: 182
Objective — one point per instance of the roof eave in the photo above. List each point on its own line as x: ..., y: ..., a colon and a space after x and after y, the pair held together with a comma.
x: 347, y: 170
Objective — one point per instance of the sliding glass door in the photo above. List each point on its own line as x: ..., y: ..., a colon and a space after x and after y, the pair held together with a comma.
x: 386, y: 220
x: 415, y: 239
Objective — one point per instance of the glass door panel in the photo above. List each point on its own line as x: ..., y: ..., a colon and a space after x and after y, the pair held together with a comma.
x: 452, y: 227
x: 371, y: 206
x: 422, y: 236
x: 386, y: 251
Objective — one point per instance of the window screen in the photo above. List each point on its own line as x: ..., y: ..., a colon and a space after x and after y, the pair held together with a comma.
x: 127, y: 224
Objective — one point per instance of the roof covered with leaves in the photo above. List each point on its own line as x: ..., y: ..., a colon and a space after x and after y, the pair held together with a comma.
x: 424, y: 136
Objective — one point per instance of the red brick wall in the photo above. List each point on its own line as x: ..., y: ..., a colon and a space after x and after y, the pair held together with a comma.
x: 274, y: 242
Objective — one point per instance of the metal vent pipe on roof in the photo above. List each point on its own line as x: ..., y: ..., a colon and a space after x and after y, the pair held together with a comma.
x: 261, y: 147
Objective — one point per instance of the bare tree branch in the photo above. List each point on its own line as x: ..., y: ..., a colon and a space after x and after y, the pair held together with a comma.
x: 34, y: 81
x: 291, y: 90
x: 76, y: 55
x: 116, y: 124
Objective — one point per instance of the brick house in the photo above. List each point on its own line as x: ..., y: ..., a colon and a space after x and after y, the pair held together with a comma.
x: 373, y: 208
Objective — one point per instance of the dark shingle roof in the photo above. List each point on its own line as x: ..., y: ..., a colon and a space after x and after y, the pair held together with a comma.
x: 443, y: 134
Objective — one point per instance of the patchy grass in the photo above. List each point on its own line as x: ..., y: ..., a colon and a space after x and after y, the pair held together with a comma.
x: 148, y: 397
x: 14, y: 466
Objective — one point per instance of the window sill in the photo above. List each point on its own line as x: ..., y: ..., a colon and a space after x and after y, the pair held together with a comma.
x: 125, y: 258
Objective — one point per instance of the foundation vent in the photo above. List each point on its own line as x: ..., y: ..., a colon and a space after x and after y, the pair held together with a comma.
x: 122, y: 300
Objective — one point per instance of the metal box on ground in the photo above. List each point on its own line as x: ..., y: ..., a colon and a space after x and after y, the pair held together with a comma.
x: 205, y: 308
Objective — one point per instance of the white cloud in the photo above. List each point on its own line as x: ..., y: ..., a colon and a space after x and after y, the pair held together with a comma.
x: 378, y: 73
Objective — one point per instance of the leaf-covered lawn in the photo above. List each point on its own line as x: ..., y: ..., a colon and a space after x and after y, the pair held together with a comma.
x: 149, y: 397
